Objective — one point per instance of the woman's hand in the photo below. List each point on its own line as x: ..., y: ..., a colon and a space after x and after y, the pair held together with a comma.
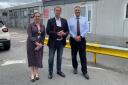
x: 37, y: 43
x: 38, y: 46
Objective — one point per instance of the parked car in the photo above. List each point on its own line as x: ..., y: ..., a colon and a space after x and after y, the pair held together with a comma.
x: 5, y: 40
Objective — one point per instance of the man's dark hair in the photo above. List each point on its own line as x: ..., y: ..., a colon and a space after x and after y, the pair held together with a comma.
x: 57, y: 7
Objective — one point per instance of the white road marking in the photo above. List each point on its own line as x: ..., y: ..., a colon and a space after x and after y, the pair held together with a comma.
x: 13, y: 33
x: 22, y: 41
x: 10, y: 62
x: 91, y: 67
x: 19, y: 37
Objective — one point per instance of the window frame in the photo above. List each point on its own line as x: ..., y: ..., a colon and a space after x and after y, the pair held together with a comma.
x: 86, y: 15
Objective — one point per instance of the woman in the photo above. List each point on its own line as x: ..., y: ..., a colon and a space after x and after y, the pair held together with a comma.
x: 35, y: 41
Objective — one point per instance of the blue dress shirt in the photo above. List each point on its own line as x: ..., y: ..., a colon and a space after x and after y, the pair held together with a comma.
x: 84, y: 26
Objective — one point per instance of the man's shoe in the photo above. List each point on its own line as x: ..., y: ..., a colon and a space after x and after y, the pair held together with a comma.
x: 50, y: 76
x: 61, y: 74
x: 86, y: 76
x: 75, y: 71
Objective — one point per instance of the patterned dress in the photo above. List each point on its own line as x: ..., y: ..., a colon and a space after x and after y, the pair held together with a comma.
x: 34, y: 35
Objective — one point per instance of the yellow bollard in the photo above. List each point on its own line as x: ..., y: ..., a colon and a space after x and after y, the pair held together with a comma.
x: 94, y: 58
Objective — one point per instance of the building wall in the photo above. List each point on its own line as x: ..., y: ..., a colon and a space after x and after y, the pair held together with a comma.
x: 108, y: 24
x: 0, y: 13
x: 109, y: 17
x: 107, y: 21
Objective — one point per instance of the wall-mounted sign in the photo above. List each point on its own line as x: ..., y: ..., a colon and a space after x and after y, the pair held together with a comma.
x: 46, y: 13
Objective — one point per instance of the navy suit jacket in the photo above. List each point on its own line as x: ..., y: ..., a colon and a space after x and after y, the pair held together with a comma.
x: 51, y: 31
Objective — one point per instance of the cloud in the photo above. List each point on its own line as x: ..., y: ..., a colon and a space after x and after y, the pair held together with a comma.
x: 10, y: 3
x: 5, y: 0
x: 4, y: 5
x: 20, y: 1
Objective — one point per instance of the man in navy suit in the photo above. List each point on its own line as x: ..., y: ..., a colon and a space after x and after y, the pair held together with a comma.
x: 57, y: 29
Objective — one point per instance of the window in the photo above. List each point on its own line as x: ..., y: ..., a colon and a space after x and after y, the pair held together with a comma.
x: 24, y: 13
x: 4, y: 13
x: 1, y: 23
x: 126, y: 11
x: 15, y: 14
x: 86, y: 11
x: 10, y: 13
x: 31, y: 11
x: 83, y: 11
x: 36, y: 10
x: 51, y: 14
x: 21, y: 14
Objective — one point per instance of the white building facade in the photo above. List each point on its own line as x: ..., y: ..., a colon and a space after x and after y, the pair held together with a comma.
x: 108, y: 19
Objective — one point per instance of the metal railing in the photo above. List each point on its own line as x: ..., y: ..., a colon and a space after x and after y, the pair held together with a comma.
x: 115, y: 51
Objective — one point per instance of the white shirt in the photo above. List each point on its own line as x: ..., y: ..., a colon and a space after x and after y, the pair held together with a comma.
x: 58, y: 22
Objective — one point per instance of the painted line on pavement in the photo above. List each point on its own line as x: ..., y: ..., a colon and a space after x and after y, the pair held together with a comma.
x: 11, y: 62
x: 23, y: 40
x: 91, y: 67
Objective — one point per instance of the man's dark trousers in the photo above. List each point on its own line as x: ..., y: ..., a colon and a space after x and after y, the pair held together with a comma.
x: 79, y: 47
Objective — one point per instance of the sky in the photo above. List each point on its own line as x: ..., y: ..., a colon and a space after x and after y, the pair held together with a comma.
x: 8, y: 3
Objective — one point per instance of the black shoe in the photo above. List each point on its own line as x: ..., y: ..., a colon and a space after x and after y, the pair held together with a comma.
x: 75, y: 71
x: 86, y: 76
x: 37, y: 78
x: 61, y: 74
x: 50, y: 76
x: 32, y: 80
